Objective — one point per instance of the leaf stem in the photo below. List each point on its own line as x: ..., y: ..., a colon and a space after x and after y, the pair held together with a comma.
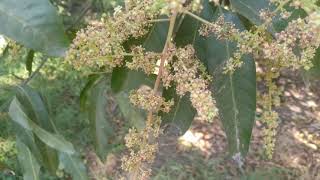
x: 158, y: 20
x: 197, y: 17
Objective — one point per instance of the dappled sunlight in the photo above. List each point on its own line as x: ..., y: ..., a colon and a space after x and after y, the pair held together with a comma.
x: 194, y: 139
x: 304, y: 138
x: 3, y: 44
x: 208, y: 138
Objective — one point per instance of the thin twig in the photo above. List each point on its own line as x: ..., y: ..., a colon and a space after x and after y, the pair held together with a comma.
x: 197, y: 17
x: 43, y: 62
x: 82, y: 14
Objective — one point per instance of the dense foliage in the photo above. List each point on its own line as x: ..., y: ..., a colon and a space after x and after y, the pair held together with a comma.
x: 164, y: 63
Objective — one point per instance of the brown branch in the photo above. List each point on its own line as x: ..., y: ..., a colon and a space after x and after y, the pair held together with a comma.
x: 164, y: 55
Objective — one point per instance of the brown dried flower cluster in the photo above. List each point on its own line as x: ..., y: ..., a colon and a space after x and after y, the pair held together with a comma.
x: 222, y: 29
x: 142, y: 60
x: 189, y: 76
x: 143, y: 147
x: 146, y: 99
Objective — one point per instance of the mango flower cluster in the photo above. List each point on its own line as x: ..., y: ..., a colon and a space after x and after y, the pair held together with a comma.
x: 142, y: 60
x: 100, y: 44
x: 172, y: 6
x: 146, y: 99
x: 188, y: 74
x: 142, y: 147
x: 293, y: 47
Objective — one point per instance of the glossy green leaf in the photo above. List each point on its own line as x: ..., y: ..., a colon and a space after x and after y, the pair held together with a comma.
x: 35, y: 24
x: 28, y: 163
x: 251, y: 10
x: 73, y: 165
x: 100, y: 120
x: 181, y: 114
x: 188, y: 31
x: 157, y: 37
x: 235, y: 93
x: 54, y: 141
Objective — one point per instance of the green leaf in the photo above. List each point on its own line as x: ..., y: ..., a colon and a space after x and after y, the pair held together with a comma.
x: 134, y: 115
x: 54, y: 141
x: 314, y: 72
x: 156, y: 39
x: 235, y: 93
x: 34, y: 24
x: 281, y: 24
x: 28, y: 139
x: 181, y: 114
x: 101, y: 127
x: 130, y: 80
x: 85, y: 92
x: 17, y: 115
x: 118, y: 79
x: 251, y: 10
x: 73, y: 165
x: 35, y: 107
x: 27, y: 161
x: 29, y: 61
x: 188, y: 31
